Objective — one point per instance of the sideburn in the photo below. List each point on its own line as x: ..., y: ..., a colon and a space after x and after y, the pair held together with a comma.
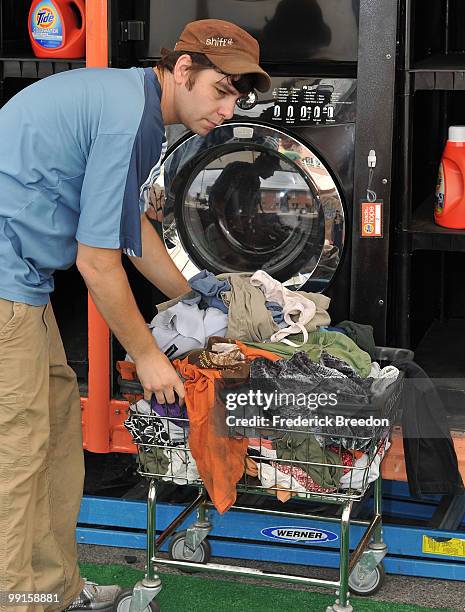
x: 193, y: 72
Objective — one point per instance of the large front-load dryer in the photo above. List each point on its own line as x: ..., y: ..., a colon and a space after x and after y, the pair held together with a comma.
x: 271, y: 189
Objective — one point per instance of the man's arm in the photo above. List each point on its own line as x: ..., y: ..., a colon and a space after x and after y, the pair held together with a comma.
x: 156, y: 264
x: 108, y: 285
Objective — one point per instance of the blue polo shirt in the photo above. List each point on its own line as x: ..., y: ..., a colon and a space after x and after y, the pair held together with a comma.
x: 75, y: 150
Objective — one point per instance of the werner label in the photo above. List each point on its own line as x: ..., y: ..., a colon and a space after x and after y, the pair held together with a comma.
x: 299, y: 534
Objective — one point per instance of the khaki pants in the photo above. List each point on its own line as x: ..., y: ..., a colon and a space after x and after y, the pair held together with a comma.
x: 41, y: 458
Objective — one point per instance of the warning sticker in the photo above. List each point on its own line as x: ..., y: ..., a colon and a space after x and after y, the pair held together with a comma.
x: 372, y: 220
x: 455, y: 547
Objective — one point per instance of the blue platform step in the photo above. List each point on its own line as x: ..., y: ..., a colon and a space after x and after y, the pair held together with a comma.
x: 241, y: 534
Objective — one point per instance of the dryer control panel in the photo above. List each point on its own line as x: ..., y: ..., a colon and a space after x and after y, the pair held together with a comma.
x: 298, y: 101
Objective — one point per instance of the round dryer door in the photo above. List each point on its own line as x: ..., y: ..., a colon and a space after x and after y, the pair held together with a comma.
x: 249, y: 197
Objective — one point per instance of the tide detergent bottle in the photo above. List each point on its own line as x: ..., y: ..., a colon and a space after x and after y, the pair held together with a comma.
x: 57, y: 28
x: 449, y: 210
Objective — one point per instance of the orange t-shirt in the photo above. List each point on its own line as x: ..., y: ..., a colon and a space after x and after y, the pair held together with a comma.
x: 219, y: 458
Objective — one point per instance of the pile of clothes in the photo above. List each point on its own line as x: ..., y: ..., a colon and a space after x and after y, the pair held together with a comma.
x: 291, y: 465
x: 242, y: 332
x: 247, y: 307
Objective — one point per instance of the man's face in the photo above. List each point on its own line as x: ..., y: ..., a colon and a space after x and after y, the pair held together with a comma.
x: 209, y: 102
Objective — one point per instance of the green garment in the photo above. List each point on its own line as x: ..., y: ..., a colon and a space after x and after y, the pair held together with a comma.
x: 336, y: 344
x: 153, y: 460
x: 304, y: 447
x: 361, y: 334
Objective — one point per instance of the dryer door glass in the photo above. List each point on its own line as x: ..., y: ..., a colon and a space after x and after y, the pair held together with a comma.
x: 250, y: 197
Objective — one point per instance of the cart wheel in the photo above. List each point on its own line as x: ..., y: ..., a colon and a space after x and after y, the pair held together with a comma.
x: 367, y: 584
x: 179, y: 553
x: 123, y: 602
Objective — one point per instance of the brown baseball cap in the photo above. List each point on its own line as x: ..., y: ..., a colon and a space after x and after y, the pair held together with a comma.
x: 226, y: 45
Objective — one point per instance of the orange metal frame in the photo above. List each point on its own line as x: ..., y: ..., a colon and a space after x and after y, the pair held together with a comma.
x: 102, y: 417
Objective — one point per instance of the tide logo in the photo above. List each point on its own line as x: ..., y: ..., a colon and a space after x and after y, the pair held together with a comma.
x: 45, y: 17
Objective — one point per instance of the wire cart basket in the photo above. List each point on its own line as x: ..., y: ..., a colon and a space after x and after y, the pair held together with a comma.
x: 299, y: 472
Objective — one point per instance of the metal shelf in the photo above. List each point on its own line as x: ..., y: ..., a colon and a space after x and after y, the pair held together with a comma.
x: 34, y: 67
x: 440, y: 72
x: 427, y: 236
x: 447, y: 62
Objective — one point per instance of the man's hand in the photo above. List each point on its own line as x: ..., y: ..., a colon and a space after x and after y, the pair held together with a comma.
x: 158, y: 376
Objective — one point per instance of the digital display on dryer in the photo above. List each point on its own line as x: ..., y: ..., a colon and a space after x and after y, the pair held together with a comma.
x: 315, y: 101
x: 303, y: 113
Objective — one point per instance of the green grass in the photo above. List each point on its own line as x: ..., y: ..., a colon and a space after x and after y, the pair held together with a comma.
x: 186, y: 593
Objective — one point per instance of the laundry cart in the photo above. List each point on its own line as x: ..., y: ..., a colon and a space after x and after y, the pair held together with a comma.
x: 356, y: 453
